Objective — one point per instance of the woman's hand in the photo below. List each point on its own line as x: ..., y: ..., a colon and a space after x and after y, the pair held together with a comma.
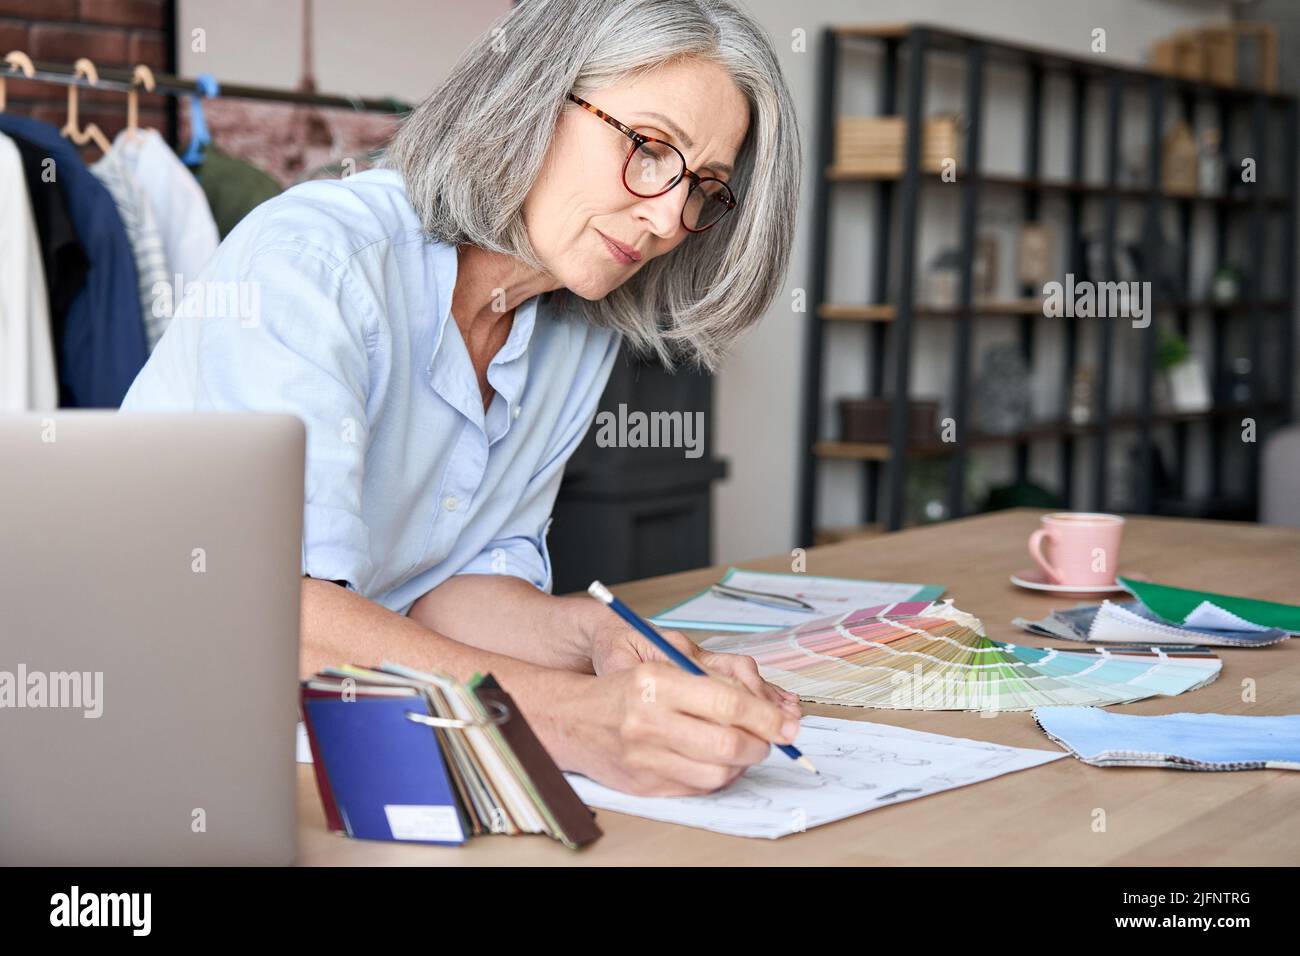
x: 616, y: 646
x: 654, y: 729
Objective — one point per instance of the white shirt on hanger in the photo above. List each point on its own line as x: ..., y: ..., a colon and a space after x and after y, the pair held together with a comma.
x: 28, y: 379
x: 151, y: 265
x: 180, y: 208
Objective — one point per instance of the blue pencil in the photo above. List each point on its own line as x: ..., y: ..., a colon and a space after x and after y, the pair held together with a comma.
x: 605, y: 596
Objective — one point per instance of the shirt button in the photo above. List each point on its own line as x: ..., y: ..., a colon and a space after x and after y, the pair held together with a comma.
x: 450, y: 503
x: 517, y: 411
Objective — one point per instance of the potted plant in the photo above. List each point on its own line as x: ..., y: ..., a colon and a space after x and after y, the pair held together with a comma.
x: 1181, y: 384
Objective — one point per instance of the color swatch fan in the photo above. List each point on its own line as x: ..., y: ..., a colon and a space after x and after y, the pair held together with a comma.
x: 920, y: 655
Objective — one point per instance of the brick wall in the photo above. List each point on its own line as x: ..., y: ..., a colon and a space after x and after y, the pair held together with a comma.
x: 118, y: 33
x: 291, y: 143
x: 287, y: 141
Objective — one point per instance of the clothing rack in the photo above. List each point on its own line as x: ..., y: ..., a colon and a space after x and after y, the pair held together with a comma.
x: 121, y: 215
x: 115, y: 78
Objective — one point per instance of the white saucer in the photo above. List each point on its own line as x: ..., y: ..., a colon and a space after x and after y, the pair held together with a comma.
x: 1035, y: 580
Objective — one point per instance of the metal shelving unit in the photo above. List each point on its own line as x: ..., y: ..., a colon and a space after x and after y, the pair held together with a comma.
x: 892, y: 316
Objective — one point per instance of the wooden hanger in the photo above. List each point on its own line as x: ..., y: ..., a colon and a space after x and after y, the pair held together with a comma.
x: 71, y: 129
x: 143, y: 76
x: 17, y: 60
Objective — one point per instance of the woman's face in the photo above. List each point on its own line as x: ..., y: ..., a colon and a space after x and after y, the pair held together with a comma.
x: 579, y: 198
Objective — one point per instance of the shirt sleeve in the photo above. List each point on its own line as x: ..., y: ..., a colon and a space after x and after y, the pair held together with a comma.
x: 520, y: 548
x: 299, y: 345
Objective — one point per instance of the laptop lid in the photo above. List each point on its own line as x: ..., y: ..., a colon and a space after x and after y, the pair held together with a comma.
x: 149, y: 611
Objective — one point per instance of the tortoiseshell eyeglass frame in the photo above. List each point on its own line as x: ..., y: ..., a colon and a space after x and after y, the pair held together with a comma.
x: 726, y: 197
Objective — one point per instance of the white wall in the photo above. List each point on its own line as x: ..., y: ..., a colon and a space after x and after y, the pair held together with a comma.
x: 758, y: 395
x: 399, y: 48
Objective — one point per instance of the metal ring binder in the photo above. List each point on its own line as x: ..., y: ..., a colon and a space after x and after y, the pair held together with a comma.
x: 500, y: 717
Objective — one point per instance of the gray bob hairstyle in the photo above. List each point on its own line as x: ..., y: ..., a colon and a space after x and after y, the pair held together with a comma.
x: 472, y: 150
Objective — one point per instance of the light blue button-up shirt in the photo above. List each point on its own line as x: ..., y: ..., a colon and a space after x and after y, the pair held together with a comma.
x: 328, y: 302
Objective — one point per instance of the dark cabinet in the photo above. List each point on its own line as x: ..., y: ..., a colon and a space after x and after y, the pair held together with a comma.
x: 627, y: 509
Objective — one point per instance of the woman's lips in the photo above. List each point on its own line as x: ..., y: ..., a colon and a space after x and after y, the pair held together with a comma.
x: 621, y: 253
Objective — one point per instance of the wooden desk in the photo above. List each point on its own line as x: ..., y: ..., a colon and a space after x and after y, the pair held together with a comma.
x: 1042, y: 816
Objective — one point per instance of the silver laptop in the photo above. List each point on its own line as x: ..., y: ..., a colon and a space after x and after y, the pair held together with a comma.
x: 149, y: 599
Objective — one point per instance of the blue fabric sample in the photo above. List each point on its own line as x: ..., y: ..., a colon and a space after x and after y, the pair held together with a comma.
x: 1095, y: 734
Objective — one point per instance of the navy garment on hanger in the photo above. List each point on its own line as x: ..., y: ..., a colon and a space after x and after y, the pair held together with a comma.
x: 103, y: 345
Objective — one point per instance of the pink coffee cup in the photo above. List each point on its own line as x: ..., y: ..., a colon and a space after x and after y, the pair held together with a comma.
x: 1078, y: 548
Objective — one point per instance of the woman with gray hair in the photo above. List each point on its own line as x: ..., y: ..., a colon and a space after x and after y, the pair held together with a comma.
x: 592, y: 172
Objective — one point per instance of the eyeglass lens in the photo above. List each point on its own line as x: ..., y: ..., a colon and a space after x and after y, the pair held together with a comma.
x: 654, y: 167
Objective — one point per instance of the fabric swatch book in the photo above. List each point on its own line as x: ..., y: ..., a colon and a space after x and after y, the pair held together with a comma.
x: 1176, y: 741
x: 1132, y: 622
x: 401, y: 754
x: 710, y: 611
x: 386, y: 776
x: 920, y: 655
x: 861, y: 766
x: 1206, y: 609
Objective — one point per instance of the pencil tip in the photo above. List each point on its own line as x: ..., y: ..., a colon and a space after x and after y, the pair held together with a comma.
x: 806, y: 764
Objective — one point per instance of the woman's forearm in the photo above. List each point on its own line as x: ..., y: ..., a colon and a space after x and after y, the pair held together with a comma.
x: 342, y: 627
x: 507, y: 615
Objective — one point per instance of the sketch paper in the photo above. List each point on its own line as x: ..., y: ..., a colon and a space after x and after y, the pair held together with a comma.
x: 862, y: 766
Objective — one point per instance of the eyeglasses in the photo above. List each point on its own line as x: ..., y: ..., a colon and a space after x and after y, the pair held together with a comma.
x: 653, y: 167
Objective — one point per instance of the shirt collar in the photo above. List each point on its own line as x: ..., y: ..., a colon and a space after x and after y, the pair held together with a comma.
x: 453, y: 378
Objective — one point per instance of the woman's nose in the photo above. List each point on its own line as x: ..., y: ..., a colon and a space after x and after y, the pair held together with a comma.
x: 664, y: 213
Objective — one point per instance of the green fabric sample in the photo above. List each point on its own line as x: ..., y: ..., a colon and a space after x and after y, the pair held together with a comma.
x: 1174, y: 604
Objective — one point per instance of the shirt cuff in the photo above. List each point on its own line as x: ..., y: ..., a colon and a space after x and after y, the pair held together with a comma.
x: 335, y: 546
x: 525, y: 557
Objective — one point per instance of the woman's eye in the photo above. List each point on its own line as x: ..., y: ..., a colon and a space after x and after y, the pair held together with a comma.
x: 656, y: 134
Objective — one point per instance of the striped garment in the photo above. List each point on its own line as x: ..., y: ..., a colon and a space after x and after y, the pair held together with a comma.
x: 146, y: 245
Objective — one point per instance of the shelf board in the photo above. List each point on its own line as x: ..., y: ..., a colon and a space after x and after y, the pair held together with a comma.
x: 837, y: 533
x: 944, y: 38
x: 1264, y: 305
x: 857, y: 313
x: 860, y: 450
x: 879, y: 451
x: 848, y: 174
x: 886, y: 312
x: 882, y: 31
